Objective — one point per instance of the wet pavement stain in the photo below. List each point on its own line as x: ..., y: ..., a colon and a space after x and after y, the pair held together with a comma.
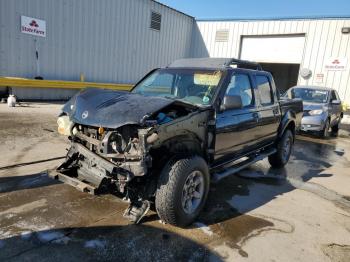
x: 339, y: 253
x: 239, y: 229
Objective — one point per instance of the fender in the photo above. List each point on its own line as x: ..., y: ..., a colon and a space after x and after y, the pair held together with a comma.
x: 288, y: 120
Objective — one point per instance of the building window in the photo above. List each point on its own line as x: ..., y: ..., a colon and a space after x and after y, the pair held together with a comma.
x: 156, y: 20
x: 221, y: 35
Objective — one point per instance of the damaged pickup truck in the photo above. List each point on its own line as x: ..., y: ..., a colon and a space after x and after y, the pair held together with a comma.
x: 180, y: 127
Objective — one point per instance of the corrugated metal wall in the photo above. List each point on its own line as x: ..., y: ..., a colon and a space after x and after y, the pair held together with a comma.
x: 323, y: 40
x: 107, y: 40
x: 110, y: 41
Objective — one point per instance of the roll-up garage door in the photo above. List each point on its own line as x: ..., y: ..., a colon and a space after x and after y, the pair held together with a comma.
x: 273, y: 49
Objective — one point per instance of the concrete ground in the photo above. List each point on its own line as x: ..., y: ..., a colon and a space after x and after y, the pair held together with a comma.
x: 299, y: 213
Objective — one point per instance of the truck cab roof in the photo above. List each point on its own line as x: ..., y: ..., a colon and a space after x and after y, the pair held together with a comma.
x: 215, y: 63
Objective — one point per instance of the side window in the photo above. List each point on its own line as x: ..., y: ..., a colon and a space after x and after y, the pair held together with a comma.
x: 265, y: 90
x: 337, y: 95
x: 240, y: 85
x: 333, y: 96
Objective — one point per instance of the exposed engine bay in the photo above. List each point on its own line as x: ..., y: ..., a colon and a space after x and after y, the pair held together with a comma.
x: 126, y: 158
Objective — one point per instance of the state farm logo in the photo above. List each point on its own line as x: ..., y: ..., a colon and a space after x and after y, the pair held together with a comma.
x: 34, y: 23
x: 336, y: 63
x: 33, y: 26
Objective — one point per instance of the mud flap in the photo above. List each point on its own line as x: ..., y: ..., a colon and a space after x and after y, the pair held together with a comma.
x: 136, y: 211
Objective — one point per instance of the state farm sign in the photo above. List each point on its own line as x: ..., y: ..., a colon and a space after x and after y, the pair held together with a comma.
x: 33, y: 26
x: 336, y: 63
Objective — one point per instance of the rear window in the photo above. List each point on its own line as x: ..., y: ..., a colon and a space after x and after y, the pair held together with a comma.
x: 265, y: 90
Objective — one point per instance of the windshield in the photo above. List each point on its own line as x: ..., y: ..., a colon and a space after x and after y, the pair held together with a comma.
x: 194, y: 86
x: 310, y: 95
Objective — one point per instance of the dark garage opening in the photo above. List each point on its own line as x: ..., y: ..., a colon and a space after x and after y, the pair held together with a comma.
x: 285, y: 75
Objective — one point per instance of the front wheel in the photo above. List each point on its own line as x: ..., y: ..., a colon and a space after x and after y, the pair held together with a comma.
x: 182, y: 190
x: 284, y: 149
x: 335, y: 128
x: 325, y: 131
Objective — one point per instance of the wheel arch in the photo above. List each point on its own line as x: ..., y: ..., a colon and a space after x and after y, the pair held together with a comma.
x: 181, y: 145
x: 288, y: 122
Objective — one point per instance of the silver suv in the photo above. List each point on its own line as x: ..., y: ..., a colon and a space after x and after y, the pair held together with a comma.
x: 322, y: 108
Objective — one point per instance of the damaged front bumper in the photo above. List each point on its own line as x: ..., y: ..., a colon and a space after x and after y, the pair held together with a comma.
x: 89, y: 172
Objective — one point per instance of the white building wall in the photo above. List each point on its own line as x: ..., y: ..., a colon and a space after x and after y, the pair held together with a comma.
x: 106, y: 40
x: 323, y: 39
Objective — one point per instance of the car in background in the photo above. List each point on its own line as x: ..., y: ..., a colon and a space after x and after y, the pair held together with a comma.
x: 322, y: 108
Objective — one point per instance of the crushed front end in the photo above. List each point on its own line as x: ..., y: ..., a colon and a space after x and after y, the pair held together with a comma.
x: 101, y: 160
x: 118, y: 153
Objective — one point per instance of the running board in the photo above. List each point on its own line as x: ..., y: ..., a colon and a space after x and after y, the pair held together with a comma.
x: 241, y: 165
x: 80, y: 185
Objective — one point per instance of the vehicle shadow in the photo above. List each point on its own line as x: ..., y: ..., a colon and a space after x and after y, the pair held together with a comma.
x: 104, y: 243
x: 15, y: 183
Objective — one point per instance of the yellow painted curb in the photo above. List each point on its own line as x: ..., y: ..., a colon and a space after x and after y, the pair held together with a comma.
x: 24, y: 82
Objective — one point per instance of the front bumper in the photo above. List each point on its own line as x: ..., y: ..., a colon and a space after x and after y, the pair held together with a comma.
x: 313, y: 123
x: 88, y: 172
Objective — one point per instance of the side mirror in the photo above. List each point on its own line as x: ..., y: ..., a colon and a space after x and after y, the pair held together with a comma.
x: 336, y: 102
x: 231, y: 102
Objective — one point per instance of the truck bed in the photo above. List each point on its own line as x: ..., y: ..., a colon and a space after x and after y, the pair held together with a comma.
x: 293, y: 105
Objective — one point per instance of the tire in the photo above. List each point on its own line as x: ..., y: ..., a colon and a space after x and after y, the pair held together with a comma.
x: 284, y: 149
x: 179, y: 179
x: 325, y: 131
x: 335, y: 128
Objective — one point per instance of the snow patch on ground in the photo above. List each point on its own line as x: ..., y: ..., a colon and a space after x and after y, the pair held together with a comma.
x: 95, y: 243
x: 339, y: 150
x: 31, y: 227
x: 63, y: 240
x: 206, y: 229
x: 26, y: 235
x: 49, y: 236
x: 346, y: 120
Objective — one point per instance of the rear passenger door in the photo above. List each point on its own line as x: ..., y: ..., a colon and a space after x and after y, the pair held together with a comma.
x: 236, y: 129
x: 268, y: 108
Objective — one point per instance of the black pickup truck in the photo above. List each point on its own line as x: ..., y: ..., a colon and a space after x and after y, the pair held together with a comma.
x: 180, y: 126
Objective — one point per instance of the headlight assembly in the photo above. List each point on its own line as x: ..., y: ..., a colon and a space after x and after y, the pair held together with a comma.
x: 64, y: 125
x: 315, y: 112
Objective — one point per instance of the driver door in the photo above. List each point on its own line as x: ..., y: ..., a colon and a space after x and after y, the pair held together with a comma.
x: 236, y: 129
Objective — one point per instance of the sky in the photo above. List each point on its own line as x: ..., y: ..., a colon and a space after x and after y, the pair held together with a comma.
x: 223, y: 9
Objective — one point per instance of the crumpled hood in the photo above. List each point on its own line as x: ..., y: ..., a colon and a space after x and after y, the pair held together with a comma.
x: 111, y: 109
x: 313, y: 106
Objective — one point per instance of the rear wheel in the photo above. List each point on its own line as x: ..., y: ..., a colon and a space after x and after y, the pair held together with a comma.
x: 182, y: 190
x: 284, y: 149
